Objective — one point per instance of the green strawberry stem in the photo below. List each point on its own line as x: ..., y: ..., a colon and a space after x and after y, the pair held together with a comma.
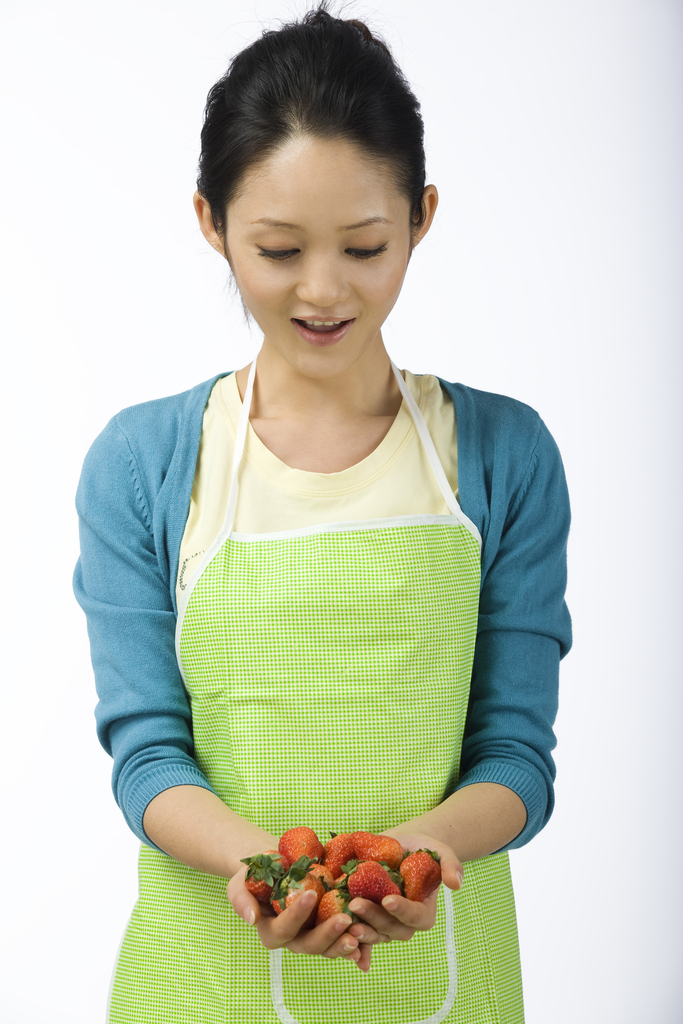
x: 264, y: 867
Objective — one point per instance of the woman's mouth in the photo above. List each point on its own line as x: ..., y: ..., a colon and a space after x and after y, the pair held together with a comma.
x: 322, y: 332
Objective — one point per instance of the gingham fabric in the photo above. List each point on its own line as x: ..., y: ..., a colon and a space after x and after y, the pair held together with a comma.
x: 328, y: 672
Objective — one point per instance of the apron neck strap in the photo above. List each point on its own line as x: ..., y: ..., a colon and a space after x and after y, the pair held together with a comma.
x: 240, y: 441
x: 428, y: 444
x: 418, y: 419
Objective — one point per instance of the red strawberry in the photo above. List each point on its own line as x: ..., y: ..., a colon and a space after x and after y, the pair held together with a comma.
x: 334, y: 902
x: 337, y: 852
x: 368, y: 846
x: 421, y: 874
x: 265, y: 870
x: 372, y: 882
x: 298, y: 879
x: 301, y: 842
x: 324, y: 874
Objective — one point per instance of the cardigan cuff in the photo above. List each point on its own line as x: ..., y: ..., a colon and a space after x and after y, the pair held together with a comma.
x: 135, y: 800
x: 529, y: 787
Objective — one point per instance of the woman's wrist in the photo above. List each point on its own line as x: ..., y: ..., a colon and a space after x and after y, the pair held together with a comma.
x: 473, y: 822
x: 194, y: 826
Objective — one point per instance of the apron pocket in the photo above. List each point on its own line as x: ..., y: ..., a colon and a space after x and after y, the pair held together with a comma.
x: 411, y: 982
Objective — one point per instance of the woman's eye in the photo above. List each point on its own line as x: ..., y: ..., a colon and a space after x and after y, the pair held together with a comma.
x: 285, y: 254
x: 366, y: 254
x: 277, y: 254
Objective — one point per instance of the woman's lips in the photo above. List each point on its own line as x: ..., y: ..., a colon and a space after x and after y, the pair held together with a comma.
x: 322, y: 335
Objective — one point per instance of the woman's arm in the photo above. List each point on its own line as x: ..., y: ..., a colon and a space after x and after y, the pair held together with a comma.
x: 122, y: 582
x: 512, y: 485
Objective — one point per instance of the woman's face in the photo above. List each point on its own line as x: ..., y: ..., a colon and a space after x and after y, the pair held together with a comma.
x: 319, y: 233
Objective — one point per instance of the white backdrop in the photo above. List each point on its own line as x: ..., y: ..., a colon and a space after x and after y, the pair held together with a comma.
x: 553, y: 274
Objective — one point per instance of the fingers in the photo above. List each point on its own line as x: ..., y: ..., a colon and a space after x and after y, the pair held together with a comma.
x: 366, y: 934
x: 337, y: 937
x: 397, y: 917
x: 363, y: 961
x: 381, y: 921
x: 413, y: 915
x: 281, y: 929
x: 329, y: 939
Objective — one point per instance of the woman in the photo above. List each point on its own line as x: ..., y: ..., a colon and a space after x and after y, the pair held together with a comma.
x: 322, y: 592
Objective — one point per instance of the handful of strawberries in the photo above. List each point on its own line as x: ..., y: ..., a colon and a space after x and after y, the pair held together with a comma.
x: 349, y: 865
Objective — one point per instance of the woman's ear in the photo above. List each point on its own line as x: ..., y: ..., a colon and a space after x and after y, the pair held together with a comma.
x: 430, y: 201
x: 203, y: 211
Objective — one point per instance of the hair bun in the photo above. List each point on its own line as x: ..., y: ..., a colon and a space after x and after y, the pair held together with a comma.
x: 322, y: 16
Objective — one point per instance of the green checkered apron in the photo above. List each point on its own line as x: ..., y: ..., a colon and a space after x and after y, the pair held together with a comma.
x: 328, y: 671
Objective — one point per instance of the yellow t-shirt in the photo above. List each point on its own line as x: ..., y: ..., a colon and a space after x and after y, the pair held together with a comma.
x: 396, y: 479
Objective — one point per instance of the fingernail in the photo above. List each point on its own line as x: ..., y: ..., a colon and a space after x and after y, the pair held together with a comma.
x: 459, y: 874
x: 348, y: 946
x: 249, y: 915
x: 308, y: 899
x: 361, y: 937
x: 390, y: 904
x: 342, y: 925
x: 356, y: 907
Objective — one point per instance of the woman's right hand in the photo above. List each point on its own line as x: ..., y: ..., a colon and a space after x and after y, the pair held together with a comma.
x: 329, y: 939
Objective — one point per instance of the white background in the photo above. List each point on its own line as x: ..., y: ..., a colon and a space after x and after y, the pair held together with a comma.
x: 553, y: 274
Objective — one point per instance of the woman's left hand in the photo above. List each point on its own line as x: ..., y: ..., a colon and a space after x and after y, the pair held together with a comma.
x: 399, y: 918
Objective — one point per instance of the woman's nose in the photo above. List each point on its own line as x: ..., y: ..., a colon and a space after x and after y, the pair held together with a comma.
x: 322, y: 284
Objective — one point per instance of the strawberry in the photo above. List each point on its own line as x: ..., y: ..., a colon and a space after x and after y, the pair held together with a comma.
x: 282, y: 857
x: 301, y: 842
x: 368, y: 846
x: 421, y: 874
x: 371, y: 881
x: 324, y: 874
x: 334, y: 902
x: 298, y: 879
x: 265, y: 870
x: 337, y: 852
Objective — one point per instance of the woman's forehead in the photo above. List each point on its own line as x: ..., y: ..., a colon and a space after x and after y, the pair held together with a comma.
x: 307, y: 179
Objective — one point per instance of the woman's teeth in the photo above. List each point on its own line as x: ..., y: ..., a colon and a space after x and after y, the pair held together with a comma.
x: 331, y: 327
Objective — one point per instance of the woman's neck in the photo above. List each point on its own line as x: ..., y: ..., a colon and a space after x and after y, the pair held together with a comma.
x: 364, y: 389
x: 322, y: 424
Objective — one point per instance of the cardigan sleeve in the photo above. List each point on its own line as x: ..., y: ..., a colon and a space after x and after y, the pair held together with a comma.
x: 524, y: 627
x: 143, y: 716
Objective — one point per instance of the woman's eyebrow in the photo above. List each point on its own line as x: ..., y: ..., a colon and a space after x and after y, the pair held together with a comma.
x: 269, y: 222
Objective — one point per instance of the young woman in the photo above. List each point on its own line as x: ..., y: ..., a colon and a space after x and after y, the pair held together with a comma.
x: 321, y: 591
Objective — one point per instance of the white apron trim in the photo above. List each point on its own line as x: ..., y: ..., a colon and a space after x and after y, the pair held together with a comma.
x: 116, y: 961
x: 348, y: 526
x: 335, y: 527
x: 432, y: 454
x: 277, y: 986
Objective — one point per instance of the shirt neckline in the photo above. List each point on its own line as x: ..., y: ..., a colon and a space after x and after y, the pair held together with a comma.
x: 304, y: 481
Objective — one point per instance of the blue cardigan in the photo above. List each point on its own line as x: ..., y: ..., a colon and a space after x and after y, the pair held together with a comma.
x: 133, y: 501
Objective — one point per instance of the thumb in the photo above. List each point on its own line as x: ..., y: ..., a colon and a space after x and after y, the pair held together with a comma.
x: 241, y: 899
x: 451, y: 868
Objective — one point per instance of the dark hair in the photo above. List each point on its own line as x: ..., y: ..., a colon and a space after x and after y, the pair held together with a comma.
x: 322, y: 76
